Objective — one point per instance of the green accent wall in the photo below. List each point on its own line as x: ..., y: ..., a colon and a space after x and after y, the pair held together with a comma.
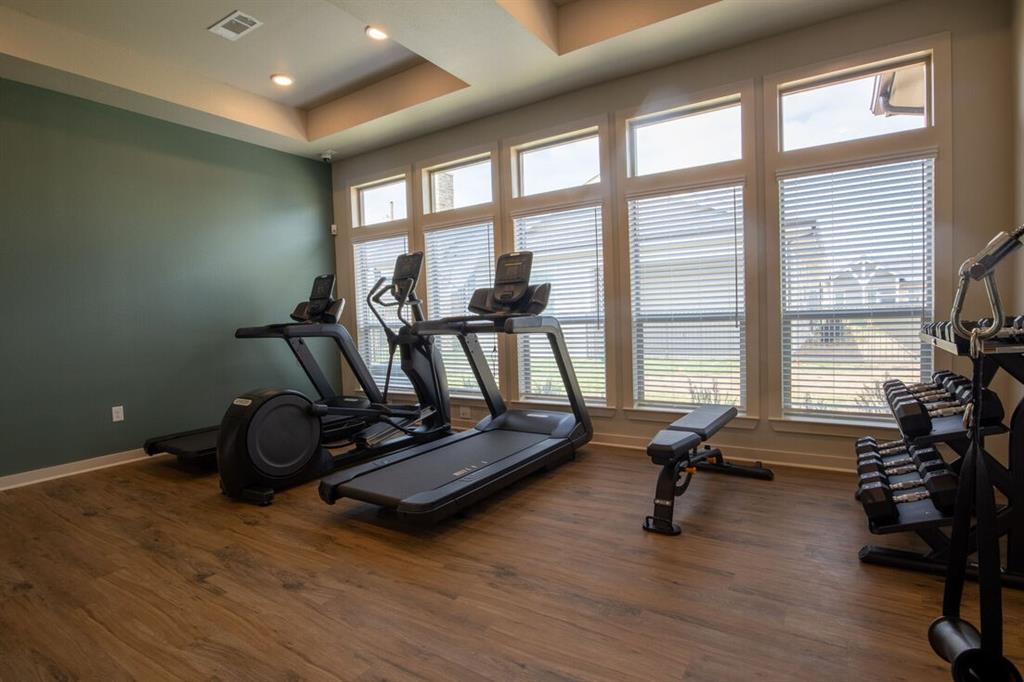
x: 130, y: 251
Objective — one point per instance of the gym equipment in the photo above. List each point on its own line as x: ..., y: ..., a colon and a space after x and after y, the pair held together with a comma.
x: 432, y: 481
x: 677, y: 449
x: 977, y: 655
x: 880, y: 503
x: 915, y: 419
x: 938, y: 377
x: 917, y: 458
x: 199, y: 446
x: 869, y: 443
x: 955, y: 388
x: 271, y: 438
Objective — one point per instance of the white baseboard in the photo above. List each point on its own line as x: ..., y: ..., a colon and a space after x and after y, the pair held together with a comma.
x: 70, y: 469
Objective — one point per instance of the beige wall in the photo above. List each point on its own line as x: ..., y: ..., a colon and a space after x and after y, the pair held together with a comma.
x: 1015, y: 299
x: 1018, y: 126
x: 982, y: 172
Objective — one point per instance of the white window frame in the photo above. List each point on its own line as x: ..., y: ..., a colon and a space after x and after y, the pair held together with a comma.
x: 933, y: 140
x: 741, y: 171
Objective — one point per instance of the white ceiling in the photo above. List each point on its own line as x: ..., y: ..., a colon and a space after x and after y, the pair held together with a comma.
x: 458, y: 59
x: 323, y: 47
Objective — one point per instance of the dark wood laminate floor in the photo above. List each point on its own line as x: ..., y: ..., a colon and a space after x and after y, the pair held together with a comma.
x: 145, y: 572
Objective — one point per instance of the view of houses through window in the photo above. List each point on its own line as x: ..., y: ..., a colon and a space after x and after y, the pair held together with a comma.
x: 856, y: 245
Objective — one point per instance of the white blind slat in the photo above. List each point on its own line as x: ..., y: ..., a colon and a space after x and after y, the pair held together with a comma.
x: 459, y: 261
x: 373, y: 260
x: 567, y: 252
x: 857, y: 282
x: 686, y: 273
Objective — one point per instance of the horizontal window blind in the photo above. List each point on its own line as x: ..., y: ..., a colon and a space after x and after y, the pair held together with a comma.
x: 857, y: 282
x: 686, y: 274
x: 373, y: 260
x: 567, y: 252
x: 459, y: 261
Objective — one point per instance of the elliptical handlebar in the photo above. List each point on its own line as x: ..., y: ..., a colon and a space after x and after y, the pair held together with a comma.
x: 374, y: 296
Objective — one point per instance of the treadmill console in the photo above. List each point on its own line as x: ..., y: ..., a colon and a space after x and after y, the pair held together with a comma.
x: 512, y: 276
x: 320, y: 296
x: 321, y: 306
x: 512, y: 293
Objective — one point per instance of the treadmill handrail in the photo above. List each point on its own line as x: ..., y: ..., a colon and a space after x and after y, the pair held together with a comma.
x: 479, y: 324
x: 548, y: 325
x: 289, y: 330
x: 293, y: 333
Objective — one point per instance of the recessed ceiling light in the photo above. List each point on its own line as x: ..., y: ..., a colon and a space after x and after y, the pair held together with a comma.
x: 282, y: 79
x: 376, y: 33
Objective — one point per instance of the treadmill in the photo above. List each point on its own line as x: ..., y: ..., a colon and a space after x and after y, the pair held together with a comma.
x: 356, y: 420
x: 431, y: 481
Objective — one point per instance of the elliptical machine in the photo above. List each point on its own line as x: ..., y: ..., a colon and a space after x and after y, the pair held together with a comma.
x: 271, y: 439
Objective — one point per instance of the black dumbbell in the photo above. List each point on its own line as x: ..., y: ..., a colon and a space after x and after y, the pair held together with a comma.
x: 866, y: 470
x: 959, y: 399
x: 880, y: 504
x: 920, y: 459
x: 951, y: 387
x: 870, y: 444
x: 937, y: 377
x: 915, y: 419
x: 1012, y: 330
x: 947, y: 385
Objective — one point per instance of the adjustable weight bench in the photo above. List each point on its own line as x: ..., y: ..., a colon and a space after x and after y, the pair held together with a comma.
x: 679, y: 448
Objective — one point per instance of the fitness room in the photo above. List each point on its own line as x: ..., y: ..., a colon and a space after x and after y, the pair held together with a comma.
x: 590, y: 340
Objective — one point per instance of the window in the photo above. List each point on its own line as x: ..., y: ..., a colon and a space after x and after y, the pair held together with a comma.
x: 857, y: 278
x: 559, y: 165
x: 885, y: 101
x: 460, y: 260
x: 567, y: 252
x: 382, y: 202
x: 675, y: 140
x: 456, y: 186
x: 686, y: 266
x: 373, y: 260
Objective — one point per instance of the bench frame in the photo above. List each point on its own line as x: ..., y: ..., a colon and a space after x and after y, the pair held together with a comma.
x: 700, y: 458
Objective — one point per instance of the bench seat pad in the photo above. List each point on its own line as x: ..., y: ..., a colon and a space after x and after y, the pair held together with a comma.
x: 704, y: 421
x: 669, y: 446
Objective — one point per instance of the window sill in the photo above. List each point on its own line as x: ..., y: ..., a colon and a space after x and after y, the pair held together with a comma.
x: 820, y: 426
x: 662, y: 415
x: 601, y: 411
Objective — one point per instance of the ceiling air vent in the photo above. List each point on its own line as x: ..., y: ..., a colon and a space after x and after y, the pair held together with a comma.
x: 235, y: 25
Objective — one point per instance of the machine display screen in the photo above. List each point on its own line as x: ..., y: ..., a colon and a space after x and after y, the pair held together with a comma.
x: 322, y: 288
x: 513, y: 268
x: 408, y: 267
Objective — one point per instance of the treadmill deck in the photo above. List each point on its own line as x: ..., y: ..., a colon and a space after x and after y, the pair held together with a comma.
x: 452, y: 470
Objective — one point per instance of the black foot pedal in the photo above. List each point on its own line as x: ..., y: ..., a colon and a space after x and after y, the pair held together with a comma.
x: 654, y: 525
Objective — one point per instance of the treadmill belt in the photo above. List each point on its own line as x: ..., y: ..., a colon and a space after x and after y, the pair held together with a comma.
x: 444, y: 465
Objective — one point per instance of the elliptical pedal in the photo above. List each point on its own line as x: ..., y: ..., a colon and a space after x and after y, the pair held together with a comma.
x: 383, y: 431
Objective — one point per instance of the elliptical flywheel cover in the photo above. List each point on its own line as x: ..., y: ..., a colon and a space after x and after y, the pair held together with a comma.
x: 283, y: 435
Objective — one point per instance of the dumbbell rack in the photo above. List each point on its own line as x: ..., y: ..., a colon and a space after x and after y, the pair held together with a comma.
x: 928, y: 522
